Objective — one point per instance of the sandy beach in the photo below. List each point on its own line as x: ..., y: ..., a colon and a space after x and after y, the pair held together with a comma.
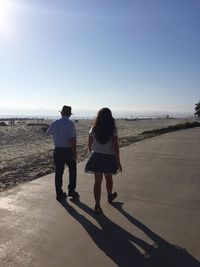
x: 26, y: 149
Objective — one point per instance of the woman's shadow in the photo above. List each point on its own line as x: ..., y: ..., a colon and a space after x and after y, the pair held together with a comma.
x: 122, y: 247
x: 162, y: 253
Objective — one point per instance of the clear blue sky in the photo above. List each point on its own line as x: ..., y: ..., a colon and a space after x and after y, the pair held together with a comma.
x: 139, y: 55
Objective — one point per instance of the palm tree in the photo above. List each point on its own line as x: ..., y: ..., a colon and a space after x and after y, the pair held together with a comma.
x: 197, y: 109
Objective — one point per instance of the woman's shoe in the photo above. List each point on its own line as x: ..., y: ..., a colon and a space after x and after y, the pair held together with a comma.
x: 112, y: 196
x: 98, y: 209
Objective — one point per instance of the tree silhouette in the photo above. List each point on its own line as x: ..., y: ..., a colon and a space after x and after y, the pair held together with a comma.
x: 197, y: 109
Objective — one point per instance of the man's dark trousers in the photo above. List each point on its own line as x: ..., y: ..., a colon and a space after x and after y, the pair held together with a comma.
x: 61, y: 157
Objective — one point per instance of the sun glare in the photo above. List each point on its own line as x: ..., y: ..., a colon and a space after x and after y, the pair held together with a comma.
x: 5, y: 16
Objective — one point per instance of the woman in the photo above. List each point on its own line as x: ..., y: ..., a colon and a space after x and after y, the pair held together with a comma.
x: 104, y: 158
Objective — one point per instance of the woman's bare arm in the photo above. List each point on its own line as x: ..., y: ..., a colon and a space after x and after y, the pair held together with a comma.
x: 116, y: 150
x: 90, y: 141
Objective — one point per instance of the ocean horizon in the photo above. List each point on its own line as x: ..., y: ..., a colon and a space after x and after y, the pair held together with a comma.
x: 92, y: 115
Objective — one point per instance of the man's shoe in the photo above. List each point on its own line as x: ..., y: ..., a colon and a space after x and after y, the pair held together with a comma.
x: 61, y: 197
x: 73, y: 194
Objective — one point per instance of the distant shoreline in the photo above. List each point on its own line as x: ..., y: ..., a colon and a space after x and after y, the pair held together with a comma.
x: 42, y: 118
x: 81, y: 114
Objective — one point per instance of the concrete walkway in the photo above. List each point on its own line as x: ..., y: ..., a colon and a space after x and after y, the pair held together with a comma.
x: 155, y: 221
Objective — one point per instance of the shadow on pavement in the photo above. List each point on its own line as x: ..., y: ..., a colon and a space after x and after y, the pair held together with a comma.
x: 122, y: 247
x: 162, y: 253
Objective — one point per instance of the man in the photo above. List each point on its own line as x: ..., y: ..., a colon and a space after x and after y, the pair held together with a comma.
x: 64, y: 136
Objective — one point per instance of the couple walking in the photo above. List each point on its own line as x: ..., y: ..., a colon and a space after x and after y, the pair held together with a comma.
x: 104, y: 153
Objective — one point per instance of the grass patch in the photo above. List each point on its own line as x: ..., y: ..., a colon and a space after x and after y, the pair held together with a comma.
x: 125, y: 141
x: 172, y: 128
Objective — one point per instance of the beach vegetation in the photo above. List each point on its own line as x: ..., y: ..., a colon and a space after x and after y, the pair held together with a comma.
x: 124, y: 141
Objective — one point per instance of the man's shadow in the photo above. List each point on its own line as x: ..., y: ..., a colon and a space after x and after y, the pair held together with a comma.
x: 122, y: 247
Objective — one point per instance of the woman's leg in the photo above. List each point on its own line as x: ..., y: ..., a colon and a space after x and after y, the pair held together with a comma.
x: 109, y: 187
x: 97, y: 187
x: 109, y: 183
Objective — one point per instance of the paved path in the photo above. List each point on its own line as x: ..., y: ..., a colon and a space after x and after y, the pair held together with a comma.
x: 155, y: 221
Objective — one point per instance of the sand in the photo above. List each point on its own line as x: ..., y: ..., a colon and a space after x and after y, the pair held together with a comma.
x: 26, y: 149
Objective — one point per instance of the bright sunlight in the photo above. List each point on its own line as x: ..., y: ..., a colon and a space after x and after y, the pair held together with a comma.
x: 5, y: 16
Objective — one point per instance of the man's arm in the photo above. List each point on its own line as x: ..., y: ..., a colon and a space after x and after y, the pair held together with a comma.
x: 49, y: 130
x: 73, y: 142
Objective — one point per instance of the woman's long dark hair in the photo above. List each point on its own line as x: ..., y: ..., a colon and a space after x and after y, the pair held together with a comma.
x: 104, y: 125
